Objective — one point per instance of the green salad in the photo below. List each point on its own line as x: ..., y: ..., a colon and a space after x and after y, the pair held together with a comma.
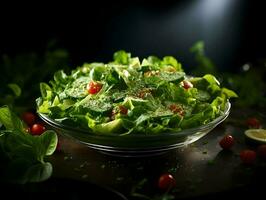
x: 129, y: 96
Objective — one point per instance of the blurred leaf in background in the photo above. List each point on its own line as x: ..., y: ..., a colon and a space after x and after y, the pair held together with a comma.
x: 250, y: 85
x: 204, y: 64
x: 249, y: 82
x: 20, y: 75
x: 9, y: 93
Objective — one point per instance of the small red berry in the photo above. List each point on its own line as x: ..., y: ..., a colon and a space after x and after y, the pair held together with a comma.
x: 248, y: 156
x: 261, y: 150
x: 227, y: 142
x: 166, y: 182
x: 29, y: 118
x: 253, y: 123
x: 37, y: 129
x: 94, y: 87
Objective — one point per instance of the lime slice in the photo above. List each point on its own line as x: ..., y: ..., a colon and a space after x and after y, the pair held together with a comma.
x: 256, y: 134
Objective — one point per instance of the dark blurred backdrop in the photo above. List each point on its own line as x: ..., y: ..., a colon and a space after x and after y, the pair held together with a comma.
x: 233, y: 30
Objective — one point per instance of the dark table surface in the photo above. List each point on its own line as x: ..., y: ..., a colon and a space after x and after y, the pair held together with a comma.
x: 201, y: 169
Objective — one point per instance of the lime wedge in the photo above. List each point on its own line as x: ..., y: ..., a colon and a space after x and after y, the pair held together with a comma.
x: 256, y: 134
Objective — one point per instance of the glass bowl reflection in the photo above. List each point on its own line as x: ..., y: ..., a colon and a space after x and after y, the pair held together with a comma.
x: 137, y: 144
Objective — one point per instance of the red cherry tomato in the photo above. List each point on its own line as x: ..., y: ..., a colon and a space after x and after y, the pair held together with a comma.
x: 187, y: 84
x: 253, y: 123
x: 37, y: 129
x: 261, y: 150
x: 94, y: 87
x: 248, y: 156
x: 123, y: 110
x: 29, y: 118
x: 166, y: 182
x: 227, y: 142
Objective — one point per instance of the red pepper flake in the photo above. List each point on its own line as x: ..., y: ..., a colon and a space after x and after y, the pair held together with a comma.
x: 187, y: 84
x: 123, y: 110
x: 144, y: 92
x: 120, y: 109
x: 177, y: 109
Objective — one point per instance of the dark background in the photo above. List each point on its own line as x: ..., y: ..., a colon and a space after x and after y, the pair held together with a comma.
x: 233, y: 30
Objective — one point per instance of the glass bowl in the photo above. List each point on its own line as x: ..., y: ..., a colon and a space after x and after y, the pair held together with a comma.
x: 137, y: 144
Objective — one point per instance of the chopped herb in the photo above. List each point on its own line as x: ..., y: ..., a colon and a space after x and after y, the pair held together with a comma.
x: 211, y: 162
x: 205, y: 152
x: 84, y: 176
x: 140, y: 168
x: 120, y: 178
x: 77, y: 169
x: 173, y: 170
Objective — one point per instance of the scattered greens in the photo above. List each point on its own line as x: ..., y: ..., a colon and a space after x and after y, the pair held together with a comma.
x: 147, y: 97
x: 22, y: 155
